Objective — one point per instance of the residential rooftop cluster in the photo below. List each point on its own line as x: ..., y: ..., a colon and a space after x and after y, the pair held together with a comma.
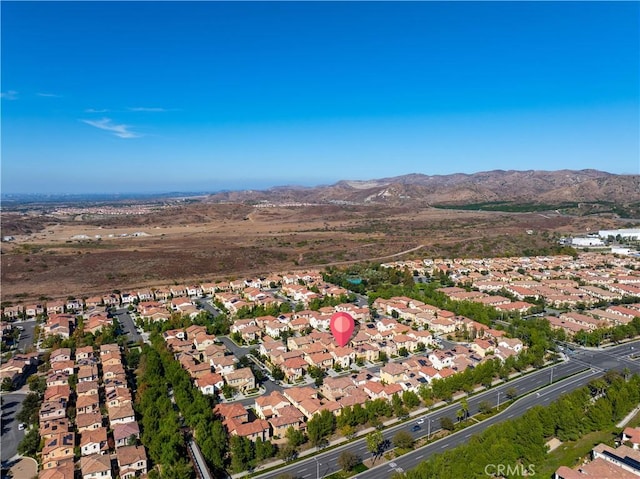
x: 104, y: 427
x: 563, y: 282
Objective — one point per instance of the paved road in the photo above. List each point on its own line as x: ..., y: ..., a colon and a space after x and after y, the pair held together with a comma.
x: 584, y: 364
x: 204, y: 302
x: 11, y: 437
x: 127, y: 325
x: 614, y: 358
x: 26, y: 337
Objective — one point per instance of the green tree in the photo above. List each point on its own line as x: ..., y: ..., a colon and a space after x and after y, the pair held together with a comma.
x: 484, y: 407
x: 374, y: 443
x: 410, y: 399
x: 264, y: 449
x: 7, y: 384
x: 464, y: 406
x: 277, y: 373
x: 403, y: 440
x: 447, y: 423
x: 287, y: 453
x: 348, y: 461
x: 294, y: 436
x: 320, y: 427
x: 37, y: 384
x: 347, y: 431
x: 30, y: 443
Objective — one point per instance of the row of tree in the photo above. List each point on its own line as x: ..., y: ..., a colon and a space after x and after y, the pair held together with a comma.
x: 160, y: 424
x: 523, y: 441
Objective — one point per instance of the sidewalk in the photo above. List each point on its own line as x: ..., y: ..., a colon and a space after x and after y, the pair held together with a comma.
x: 628, y: 417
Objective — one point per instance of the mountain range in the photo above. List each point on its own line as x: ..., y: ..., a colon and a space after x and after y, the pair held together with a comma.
x: 530, y: 187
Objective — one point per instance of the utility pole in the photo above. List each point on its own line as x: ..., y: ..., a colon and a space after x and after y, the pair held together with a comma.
x: 317, y: 468
x: 498, y: 400
x: 551, y: 379
x: 429, y: 430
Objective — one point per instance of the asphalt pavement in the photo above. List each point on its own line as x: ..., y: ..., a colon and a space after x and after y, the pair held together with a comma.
x: 26, y: 335
x: 581, y: 367
x: 11, y: 437
x: 127, y: 325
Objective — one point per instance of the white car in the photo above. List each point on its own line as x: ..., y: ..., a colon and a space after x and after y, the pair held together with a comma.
x: 420, y: 421
x: 21, y: 426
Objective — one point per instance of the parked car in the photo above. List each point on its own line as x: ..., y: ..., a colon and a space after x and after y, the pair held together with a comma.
x: 21, y: 426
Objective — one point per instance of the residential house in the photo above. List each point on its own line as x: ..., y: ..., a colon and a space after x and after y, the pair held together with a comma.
x: 95, y: 466
x: 57, y: 379
x: 87, y: 403
x: 94, y: 442
x: 392, y: 373
x: 64, y: 470
x: 291, y: 417
x: 132, y: 461
x: 88, y: 373
x: 57, y: 392
x: 268, y: 406
x: 84, y: 353
x: 117, y: 396
x: 631, y: 435
x: 61, y: 354
x: 231, y: 411
x: 122, y: 433
x: 253, y: 430
x: 223, y: 365
x: 241, y: 379
x: 294, y: 368
x: 87, y: 422
x: 87, y: 388
x: 121, y: 414
x: 343, y: 356
x: 209, y: 383
x: 334, y: 389
x: 57, y: 449
x: 53, y: 409
x: 51, y: 428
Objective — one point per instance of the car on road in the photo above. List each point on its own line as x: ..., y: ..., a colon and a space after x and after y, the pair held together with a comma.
x: 416, y: 427
x: 420, y: 421
x: 21, y: 426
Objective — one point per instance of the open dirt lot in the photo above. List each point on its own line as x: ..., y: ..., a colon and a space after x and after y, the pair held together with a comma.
x: 83, y: 255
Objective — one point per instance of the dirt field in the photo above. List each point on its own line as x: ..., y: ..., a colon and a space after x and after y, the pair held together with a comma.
x: 204, y: 242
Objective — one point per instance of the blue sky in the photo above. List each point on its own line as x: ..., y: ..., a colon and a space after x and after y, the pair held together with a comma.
x: 164, y: 96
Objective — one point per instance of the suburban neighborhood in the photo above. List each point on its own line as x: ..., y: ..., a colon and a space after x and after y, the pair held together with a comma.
x: 261, y: 349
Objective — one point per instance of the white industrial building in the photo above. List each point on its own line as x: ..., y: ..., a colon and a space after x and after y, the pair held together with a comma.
x: 582, y: 242
x: 632, y: 233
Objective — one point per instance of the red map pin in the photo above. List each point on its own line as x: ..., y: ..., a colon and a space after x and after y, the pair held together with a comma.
x: 342, y: 326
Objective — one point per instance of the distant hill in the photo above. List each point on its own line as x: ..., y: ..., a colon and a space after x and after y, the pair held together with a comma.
x: 486, y: 190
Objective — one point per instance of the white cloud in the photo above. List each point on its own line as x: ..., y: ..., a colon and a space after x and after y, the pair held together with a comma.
x: 142, y: 108
x: 49, y: 95
x: 94, y: 110
x: 107, y: 124
x: 9, y: 95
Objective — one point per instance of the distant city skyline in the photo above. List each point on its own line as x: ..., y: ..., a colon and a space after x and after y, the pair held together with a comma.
x: 150, y: 97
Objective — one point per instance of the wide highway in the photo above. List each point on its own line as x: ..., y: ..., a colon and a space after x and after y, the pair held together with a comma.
x: 546, y: 385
